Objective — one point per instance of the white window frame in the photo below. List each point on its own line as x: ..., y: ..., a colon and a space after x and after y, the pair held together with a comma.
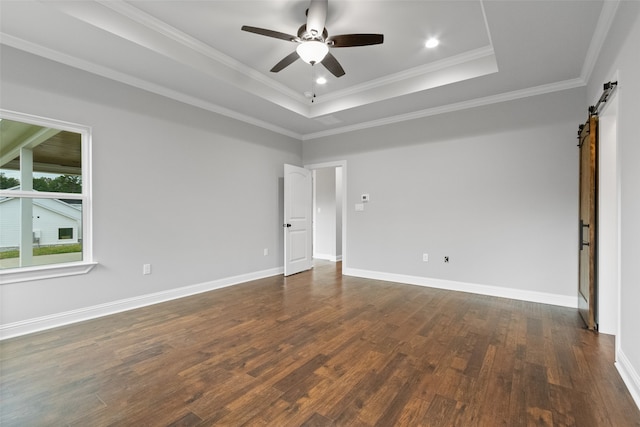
x: 24, y: 274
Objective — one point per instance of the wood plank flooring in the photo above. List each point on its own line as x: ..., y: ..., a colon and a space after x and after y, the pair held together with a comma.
x: 317, y: 349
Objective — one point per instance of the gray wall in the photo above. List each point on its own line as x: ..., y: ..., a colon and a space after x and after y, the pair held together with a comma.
x: 620, y: 58
x: 195, y: 194
x: 493, y: 188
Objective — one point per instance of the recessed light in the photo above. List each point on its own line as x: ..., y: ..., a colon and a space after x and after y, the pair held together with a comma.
x: 321, y: 80
x: 432, y: 42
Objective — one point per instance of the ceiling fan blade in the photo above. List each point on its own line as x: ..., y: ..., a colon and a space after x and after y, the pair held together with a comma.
x: 270, y: 33
x: 286, y: 61
x: 350, y: 40
x: 317, y: 16
x: 332, y: 64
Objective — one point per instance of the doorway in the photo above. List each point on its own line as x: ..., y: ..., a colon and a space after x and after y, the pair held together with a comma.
x: 327, y: 214
x: 329, y: 211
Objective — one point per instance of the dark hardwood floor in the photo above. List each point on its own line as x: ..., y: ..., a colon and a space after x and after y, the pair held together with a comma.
x: 317, y: 349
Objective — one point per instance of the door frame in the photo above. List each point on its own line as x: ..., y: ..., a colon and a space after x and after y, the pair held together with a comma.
x: 609, y: 260
x: 334, y: 164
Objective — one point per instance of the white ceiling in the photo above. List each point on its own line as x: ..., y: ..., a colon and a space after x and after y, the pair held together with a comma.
x: 195, y: 52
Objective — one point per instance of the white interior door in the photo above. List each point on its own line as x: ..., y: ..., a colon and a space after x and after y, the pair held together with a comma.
x: 297, y: 220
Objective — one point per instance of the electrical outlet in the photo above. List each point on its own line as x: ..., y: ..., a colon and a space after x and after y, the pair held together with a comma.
x: 146, y: 269
x: 425, y: 257
x: 266, y: 251
x: 446, y: 259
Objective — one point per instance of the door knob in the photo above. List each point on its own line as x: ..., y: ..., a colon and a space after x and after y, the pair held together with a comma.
x: 286, y: 225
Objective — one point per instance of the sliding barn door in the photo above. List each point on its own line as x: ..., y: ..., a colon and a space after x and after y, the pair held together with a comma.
x: 587, y: 286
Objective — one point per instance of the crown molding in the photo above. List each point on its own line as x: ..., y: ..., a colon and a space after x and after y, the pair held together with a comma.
x: 473, y: 103
x: 109, y: 73
x: 91, y: 67
x: 196, y: 45
x: 416, y: 72
x: 605, y: 20
x: 463, y: 68
x: 138, y: 28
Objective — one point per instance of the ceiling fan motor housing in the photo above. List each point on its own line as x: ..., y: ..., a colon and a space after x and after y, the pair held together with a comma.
x: 304, y: 35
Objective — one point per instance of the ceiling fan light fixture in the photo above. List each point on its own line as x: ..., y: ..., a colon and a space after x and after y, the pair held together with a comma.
x: 312, y: 51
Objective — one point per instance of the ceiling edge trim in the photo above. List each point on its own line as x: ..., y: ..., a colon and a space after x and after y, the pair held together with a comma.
x: 482, y: 66
x: 127, y: 79
x: 486, y: 22
x: 473, y: 103
x: 196, y: 45
x: 195, y: 56
x: 605, y: 21
x: 442, y: 64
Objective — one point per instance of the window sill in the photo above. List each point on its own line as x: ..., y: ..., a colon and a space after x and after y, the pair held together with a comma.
x: 25, y: 274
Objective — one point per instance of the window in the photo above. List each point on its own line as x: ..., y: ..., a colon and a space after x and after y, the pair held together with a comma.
x: 45, y: 210
x: 65, y: 233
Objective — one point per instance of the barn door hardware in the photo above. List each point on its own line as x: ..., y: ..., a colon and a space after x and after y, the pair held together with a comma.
x: 582, y: 242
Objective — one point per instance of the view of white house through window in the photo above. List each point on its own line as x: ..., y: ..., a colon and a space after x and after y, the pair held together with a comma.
x: 42, y: 199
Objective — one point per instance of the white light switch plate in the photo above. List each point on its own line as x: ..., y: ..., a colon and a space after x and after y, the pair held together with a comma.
x: 359, y: 207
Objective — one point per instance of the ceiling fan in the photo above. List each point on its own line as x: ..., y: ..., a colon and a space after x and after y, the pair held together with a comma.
x: 314, y: 42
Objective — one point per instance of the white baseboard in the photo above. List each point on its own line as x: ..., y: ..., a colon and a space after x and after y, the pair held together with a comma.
x: 496, y: 291
x: 28, y: 326
x: 332, y: 258
x: 629, y: 376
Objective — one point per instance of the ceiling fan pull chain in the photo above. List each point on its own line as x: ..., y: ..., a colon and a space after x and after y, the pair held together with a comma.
x: 313, y: 83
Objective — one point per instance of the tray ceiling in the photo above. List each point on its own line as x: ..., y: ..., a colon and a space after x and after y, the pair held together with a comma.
x: 195, y: 52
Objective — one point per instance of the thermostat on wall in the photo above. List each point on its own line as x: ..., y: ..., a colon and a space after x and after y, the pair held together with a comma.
x: 364, y: 197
